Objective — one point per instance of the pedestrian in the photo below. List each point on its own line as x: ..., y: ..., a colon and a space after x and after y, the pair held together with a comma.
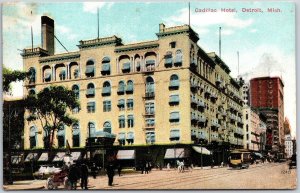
x: 146, y: 167
x: 110, y: 173
x: 73, y: 176
x: 84, y: 171
x: 168, y: 166
x: 94, y: 170
x: 212, y: 163
x: 119, y: 169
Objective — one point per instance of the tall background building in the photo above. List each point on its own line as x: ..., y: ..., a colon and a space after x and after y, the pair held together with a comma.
x: 266, y: 95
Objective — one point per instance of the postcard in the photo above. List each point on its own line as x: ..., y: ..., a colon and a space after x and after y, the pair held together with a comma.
x: 149, y: 95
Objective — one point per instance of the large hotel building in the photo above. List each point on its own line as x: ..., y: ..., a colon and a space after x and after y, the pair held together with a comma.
x: 156, y: 94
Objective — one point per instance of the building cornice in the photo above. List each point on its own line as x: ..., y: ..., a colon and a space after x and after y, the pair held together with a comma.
x: 137, y: 46
x: 34, y: 52
x: 60, y: 57
x: 98, y: 42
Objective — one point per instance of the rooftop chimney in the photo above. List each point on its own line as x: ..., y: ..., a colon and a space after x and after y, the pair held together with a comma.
x: 161, y: 27
x: 47, y: 34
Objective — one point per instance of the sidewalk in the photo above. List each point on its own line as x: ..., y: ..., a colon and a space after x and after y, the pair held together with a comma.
x: 26, y: 185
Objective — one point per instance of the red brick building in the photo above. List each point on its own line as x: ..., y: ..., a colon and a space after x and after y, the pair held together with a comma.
x: 266, y: 95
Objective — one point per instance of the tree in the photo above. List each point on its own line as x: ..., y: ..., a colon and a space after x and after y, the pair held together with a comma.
x: 10, y: 76
x: 50, y: 107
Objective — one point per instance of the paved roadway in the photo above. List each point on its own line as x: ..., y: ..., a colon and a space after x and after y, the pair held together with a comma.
x: 261, y: 176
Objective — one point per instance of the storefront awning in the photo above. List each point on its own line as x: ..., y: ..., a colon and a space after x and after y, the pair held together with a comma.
x: 59, y: 156
x: 126, y: 154
x: 176, y: 153
x: 75, y: 155
x: 16, y: 159
x: 31, y: 157
x: 202, y: 150
x: 43, y: 157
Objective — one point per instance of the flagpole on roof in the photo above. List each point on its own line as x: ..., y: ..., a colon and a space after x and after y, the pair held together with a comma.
x: 31, y: 35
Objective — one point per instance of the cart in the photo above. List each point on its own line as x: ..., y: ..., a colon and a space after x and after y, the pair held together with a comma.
x: 58, y: 179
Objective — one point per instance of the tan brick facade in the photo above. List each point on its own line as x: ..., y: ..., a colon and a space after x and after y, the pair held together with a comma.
x: 203, y: 79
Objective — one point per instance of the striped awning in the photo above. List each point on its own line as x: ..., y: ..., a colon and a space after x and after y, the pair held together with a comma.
x: 126, y: 154
x: 31, y: 157
x: 59, y: 156
x: 176, y: 153
x: 43, y: 157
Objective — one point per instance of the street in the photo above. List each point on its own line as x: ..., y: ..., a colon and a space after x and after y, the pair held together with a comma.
x: 260, y: 176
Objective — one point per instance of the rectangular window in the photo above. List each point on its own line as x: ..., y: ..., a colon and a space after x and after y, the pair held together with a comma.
x: 76, y: 142
x: 174, y: 100
x: 32, y: 142
x: 130, y: 104
x: 150, y: 108
x: 75, y: 110
x: 61, y: 141
x: 150, y: 137
x: 172, y: 44
x: 246, y: 116
x: 121, y: 104
x: 130, y: 121
x: 174, y: 117
x: 121, y: 121
x: 174, y: 135
x: 91, y: 107
x: 106, y: 106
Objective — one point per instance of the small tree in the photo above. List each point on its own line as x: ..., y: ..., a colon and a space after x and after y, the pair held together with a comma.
x: 50, y: 107
x: 10, y: 76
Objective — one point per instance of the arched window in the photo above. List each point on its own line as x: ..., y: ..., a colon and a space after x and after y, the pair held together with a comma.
x: 76, y: 135
x: 121, y: 88
x: 129, y: 88
x: 32, y: 74
x: 61, y: 136
x: 178, y: 58
x: 46, y: 138
x: 174, y: 82
x: 90, y: 69
x: 106, y: 90
x: 33, y: 137
x: 149, y: 86
x: 62, y: 74
x: 31, y: 92
x: 91, y: 129
x: 105, y: 70
x: 75, y: 89
x: 47, y: 75
x: 90, y: 92
x: 107, y: 127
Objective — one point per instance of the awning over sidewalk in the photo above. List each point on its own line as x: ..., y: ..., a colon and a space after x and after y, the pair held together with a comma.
x: 16, y: 159
x: 202, y: 150
x: 59, y: 156
x: 176, y: 153
x: 126, y: 154
x: 43, y: 157
x: 31, y: 157
x: 75, y: 155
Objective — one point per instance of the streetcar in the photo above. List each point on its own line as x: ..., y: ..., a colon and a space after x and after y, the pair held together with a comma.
x: 239, y: 159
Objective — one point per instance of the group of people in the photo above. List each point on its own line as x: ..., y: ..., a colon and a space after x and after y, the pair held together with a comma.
x: 146, y: 167
x: 78, y: 171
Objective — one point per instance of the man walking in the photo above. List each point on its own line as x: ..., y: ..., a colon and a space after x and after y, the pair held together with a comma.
x: 84, y: 175
x: 110, y: 173
x: 73, y: 176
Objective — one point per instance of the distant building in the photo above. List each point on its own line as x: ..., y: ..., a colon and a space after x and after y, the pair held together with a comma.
x: 287, y: 126
x: 288, y: 143
x: 266, y: 95
x: 254, y: 130
x: 245, y: 94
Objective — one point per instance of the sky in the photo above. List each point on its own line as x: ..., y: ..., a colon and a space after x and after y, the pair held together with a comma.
x: 265, y: 41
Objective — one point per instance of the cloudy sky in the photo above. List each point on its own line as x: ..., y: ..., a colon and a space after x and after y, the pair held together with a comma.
x: 265, y: 41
